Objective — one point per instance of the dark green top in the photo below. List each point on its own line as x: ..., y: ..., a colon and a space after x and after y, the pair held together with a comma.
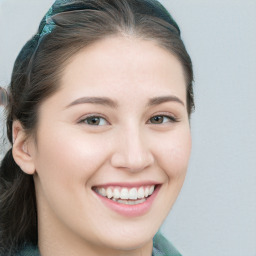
x: 161, y: 247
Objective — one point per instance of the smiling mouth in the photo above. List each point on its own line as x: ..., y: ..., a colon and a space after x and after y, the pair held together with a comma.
x: 125, y: 195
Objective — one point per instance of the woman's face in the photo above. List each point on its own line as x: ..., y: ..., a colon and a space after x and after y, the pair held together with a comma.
x: 118, y: 127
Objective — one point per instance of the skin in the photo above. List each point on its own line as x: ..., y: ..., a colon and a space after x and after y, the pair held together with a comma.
x: 71, y: 156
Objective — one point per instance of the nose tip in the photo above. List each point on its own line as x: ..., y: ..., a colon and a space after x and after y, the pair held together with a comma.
x: 134, y: 163
x: 132, y: 155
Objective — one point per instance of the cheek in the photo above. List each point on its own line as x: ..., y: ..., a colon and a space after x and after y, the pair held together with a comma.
x: 68, y: 157
x: 65, y: 163
x: 174, y: 153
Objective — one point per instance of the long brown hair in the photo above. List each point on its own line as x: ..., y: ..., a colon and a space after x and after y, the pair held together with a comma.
x: 36, y: 75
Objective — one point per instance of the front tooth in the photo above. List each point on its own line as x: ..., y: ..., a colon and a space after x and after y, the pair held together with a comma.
x: 116, y: 193
x: 133, y: 194
x: 151, y: 190
x: 141, y: 193
x: 124, y: 193
x: 109, y: 192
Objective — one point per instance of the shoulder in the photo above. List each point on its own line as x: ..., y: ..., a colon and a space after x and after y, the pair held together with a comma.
x: 28, y: 250
x: 162, y: 247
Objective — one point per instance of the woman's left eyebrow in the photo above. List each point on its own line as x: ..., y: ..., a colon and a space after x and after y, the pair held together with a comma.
x: 162, y: 99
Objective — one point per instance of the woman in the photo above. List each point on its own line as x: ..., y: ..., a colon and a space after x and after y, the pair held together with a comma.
x: 98, y: 118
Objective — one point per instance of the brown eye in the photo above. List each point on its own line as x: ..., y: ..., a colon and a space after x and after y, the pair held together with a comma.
x: 156, y: 119
x: 94, y: 120
x: 162, y: 119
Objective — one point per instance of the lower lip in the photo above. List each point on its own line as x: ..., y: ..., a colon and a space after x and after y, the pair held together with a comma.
x: 130, y: 210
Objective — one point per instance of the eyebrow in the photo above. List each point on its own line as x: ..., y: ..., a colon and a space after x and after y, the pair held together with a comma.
x: 162, y: 99
x: 95, y: 100
x: 113, y: 104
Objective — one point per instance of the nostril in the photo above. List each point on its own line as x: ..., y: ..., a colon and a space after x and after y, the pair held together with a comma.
x: 134, y: 162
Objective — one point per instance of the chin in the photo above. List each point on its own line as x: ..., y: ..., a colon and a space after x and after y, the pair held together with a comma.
x: 130, y: 238
x: 129, y: 243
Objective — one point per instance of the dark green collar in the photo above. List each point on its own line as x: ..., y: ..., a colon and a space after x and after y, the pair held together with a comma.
x: 162, y: 247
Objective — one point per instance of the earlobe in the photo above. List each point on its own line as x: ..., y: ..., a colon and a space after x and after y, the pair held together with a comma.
x: 20, y: 149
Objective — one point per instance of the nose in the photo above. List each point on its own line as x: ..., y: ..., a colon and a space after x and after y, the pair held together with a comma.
x: 132, y: 152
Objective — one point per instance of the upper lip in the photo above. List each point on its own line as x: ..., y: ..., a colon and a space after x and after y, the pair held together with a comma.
x: 128, y: 184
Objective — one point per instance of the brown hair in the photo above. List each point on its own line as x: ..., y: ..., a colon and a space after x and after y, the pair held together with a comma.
x: 36, y: 75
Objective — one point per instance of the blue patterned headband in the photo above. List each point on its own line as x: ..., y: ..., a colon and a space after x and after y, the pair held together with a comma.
x: 49, y: 24
x: 60, y: 6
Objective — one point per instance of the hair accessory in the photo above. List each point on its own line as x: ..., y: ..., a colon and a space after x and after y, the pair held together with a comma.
x: 4, y: 99
x: 49, y: 24
x: 47, y: 29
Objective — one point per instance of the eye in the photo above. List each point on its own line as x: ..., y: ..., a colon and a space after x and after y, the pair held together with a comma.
x: 94, y: 120
x: 160, y: 119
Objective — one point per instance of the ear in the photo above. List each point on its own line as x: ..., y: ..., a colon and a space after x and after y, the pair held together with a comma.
x: 20, y: 149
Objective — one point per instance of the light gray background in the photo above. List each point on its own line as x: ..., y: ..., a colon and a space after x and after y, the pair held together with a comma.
x: 215, y: 213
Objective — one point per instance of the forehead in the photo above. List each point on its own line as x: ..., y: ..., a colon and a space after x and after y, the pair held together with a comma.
x: 124, y: 65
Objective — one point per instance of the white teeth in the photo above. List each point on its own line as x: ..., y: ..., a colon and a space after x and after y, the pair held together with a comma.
x: 102, y: 191
x: 133, y: 194
x: 130, y: 202
x: 151, y: 190
x: 109, y: 192
x: 116, y: 194
x: 141, y: 193
x: 146, y: 192
x: 125, y: 193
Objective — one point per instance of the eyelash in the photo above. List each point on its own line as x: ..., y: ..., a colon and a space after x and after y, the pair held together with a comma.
x: 82, y: 121
x: 171, y: 118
